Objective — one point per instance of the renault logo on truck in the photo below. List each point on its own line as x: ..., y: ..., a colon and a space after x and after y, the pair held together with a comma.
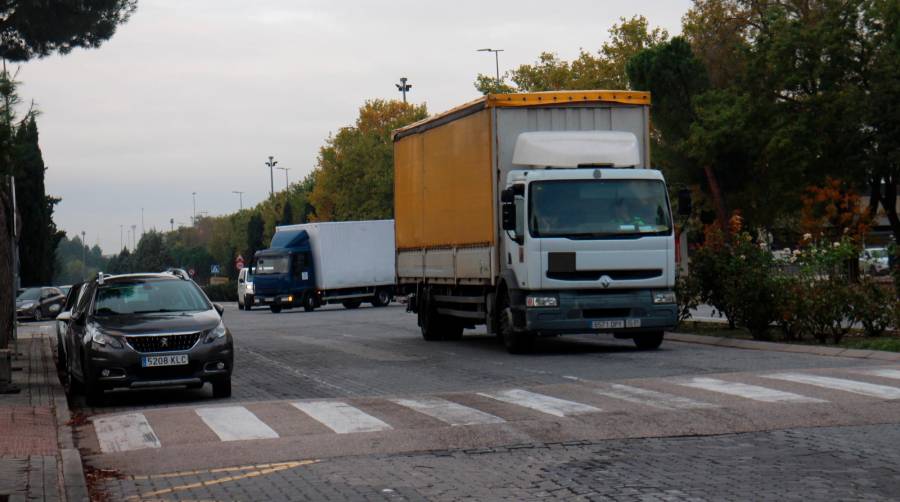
x: 605, y: 281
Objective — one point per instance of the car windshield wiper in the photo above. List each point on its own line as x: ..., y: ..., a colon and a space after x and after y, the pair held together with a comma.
x: 106, y: 311
x: 157, y: 311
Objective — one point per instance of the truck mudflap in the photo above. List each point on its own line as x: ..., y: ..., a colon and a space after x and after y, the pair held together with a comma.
x: 621, y: 313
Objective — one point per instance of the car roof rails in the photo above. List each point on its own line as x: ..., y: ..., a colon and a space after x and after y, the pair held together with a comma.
x: 101, y: 277
x: 177, y: 272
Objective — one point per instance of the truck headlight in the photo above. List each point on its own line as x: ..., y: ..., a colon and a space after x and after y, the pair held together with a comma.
x: 663, y: 297
x: 216, y: 333
x: 102, y: 339
x: 250, y: 287
x: 541, y: 301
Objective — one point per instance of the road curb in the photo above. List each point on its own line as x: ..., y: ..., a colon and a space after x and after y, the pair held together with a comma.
x: 719, y: 341
x: 73, y: 484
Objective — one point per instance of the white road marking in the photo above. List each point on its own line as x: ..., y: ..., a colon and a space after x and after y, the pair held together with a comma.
x: 856, y: 387
x: 125, y: 433
x: 754, y: 392
x: 885, y: 373
x: 448, y: 411
x: 540, y: 402
x: 235, y: 423
x: 341, y: 417
x: 651, y: 398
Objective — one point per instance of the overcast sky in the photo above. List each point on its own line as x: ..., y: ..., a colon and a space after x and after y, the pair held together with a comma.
x: 193, y: 96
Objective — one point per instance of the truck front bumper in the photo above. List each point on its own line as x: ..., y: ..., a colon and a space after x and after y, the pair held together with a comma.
x: 619, y: 312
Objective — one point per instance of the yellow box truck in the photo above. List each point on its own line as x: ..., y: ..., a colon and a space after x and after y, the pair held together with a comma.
x: 536, y: 214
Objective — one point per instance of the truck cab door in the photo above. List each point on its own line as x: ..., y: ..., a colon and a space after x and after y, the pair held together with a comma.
x: 301, y: 270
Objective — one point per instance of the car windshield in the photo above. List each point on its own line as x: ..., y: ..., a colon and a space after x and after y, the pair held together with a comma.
x: 598, y: 208
x: 267, y: 265
x: 148, y: 296
x: 29, y: 294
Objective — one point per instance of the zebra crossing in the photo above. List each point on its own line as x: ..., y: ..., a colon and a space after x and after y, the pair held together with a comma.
x: 499, y: 408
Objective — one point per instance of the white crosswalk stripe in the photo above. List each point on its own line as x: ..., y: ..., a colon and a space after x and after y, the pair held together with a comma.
x: 854, y: 386
x: 125, y: 433
x: 235, y: 423
x: 651, y: 398
x: 541, y: 402
x: 754, y: 392
x: 885, y: 373
x: 448, y: 411
x: 341, y: 417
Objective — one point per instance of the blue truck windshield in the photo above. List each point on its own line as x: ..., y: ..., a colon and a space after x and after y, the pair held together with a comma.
x: 598, y: 208
x: 269, y: 265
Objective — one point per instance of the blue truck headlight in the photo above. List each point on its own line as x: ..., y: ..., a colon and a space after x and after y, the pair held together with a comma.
x: 541, y: 301
x: 663, y: 297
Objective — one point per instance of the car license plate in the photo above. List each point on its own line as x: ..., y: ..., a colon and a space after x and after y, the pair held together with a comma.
x: 617, y: 324
x: 167, y: 360
x: 269, y: 299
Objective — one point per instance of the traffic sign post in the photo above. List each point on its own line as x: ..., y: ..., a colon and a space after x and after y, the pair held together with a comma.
x: 239, y: 262
x: 214, y: 269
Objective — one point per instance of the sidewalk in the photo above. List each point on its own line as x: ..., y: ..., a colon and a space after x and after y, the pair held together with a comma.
x: 37, y: 457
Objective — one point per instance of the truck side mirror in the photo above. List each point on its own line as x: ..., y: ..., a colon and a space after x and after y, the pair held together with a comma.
x: 508, y: 196
x: 685, y: 205
x: 508, y: 212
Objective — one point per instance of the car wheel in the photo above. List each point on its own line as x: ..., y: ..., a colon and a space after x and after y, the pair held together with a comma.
x: 222, y: 387
x: 350, y: 305
x: 38, y: 315
x: 648, y: 341
x: 60, y: 355
x: 382, y: 298
x: 275, y: 308
x: 74, y: 384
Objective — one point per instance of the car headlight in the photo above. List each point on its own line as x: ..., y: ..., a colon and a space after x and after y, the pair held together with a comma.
x: 102, y: 339
x: 541, y: 301
x: 216, y: 333
x: 663, y: 297
x: 27, y: 306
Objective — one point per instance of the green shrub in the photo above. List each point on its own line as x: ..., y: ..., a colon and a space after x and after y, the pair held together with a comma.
x: 222, y: 292
x: 793, y: 306
x: 687, y: 292
x: 872, y: 307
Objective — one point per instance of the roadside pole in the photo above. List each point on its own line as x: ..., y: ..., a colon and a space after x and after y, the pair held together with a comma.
x: 7, y: 354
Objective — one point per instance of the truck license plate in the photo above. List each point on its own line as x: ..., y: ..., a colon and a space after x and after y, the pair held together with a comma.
x: 617, y: 324
x: 167, y: 360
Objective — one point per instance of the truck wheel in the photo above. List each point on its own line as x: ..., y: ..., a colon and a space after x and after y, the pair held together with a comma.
x: 240, y: 305
x: 309, y: 302
x: 350, y: 305
x: 275, y: 308
x: 515, y: 343
x: 248, y: 302
x: 382, y: 298
x: 648, y: 341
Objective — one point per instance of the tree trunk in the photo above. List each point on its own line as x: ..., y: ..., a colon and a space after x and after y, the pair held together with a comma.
x: 7, y: 314
x: 890, y: 205
x: 718, y: 201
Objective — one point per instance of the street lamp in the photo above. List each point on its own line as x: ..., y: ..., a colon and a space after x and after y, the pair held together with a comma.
x: 496, y: 60
x: 121, y: 239
x: 194, y: 215
x: 133, y: 238
x: 83, y: 254
x: 285, y: 169
x: 240, y: 198
x: 271, y: 163
x: 403, y: 87
x: 142, y: 222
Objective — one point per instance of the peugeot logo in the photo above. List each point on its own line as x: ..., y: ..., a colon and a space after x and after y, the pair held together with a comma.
x: 605, y: 281
x: 165, y: 341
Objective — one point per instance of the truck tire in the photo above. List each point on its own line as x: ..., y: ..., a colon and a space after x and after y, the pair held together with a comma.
x: 515, y: 342
x: 248, y: 302
x: 648, y: 341
x: 382, y: 298
x: 351, y: 304
x: 240, y: 305
x: 275, y: 308
x: 309, y: 302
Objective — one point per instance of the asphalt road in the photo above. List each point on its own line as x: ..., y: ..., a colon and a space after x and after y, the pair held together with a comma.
x: 340, y: 404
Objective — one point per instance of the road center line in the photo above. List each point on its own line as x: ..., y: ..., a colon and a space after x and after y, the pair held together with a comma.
x: 341, y: 417
x: 125, y: 433
x: 754, y: 392
x: 448, y: 411
x: 540, y: 402
x: 235, y: 423
x: 856, y: 387
x: 651, y: 398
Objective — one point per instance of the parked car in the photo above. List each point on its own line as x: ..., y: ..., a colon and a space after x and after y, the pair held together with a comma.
x: 245, y: 289
x: 874, y: 261
x: 146, y: 330
x: 39, y: 303
x: 62, y: 324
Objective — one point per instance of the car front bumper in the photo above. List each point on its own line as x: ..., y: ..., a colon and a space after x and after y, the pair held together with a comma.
x: 126, y: 369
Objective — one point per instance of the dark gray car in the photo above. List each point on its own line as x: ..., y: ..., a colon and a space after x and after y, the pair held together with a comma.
x: 147, y: 330
x: 39, y: 303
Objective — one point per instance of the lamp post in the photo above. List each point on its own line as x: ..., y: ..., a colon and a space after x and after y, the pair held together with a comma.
x: 133, y: 238
x: 286, y: 183
x: 83, y: 253
x: 142, y: 222
x: 240, y: 198
x: 121, y: 238
x: 496, y: 60
x: 271, y: 163
x: 194, y: 214
x: 403, y: 87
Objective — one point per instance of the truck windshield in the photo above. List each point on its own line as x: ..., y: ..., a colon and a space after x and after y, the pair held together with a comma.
x: 598, y: 208
x: 268, y: 265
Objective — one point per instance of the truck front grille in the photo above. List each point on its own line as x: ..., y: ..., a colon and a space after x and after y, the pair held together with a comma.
x: 163, y: 343
x: 595, y: 275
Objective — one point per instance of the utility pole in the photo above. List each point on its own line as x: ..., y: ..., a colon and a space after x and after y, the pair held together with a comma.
x: 240, y: 198
x: 83, y: 254
x: 403, y: 87
x: 496, y: 60
x: 271, y: 163
x: 286, y: 183
x: 171, y: 224
x: 194, y: 215
x: 133, y: 242
x: 121, y: 240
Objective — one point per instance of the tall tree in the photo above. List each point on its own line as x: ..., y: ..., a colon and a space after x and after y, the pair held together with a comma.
x: 255, y: 229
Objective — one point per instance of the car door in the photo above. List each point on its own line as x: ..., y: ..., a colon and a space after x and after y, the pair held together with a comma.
x: 75, y: 331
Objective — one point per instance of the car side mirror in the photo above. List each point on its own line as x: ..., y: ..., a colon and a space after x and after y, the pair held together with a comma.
x: 65, y: 316
x: 220, y: 309
x: 685, y: 204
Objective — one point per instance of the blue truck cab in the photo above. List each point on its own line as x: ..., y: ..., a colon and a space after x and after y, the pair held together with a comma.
x: 284, y: 273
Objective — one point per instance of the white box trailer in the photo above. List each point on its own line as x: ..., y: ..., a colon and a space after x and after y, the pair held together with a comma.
x: 312, y: 264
